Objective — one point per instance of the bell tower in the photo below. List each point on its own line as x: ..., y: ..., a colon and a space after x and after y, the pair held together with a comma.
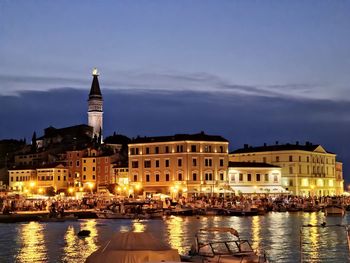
x: 95, y: 109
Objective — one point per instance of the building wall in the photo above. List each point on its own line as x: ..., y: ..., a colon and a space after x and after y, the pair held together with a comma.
x: 56, y: 177
x: 74, y: 165
x: 20, y: 180
x: 261, y: 179
x: 182, y: 166
x: 103, y: 164
x: 303, y: 172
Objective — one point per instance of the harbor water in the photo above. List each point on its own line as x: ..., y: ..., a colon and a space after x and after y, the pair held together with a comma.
x: 281, y: 235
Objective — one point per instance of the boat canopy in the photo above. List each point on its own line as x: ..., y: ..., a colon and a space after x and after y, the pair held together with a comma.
x: 221, y: 229
x: 130, y: 247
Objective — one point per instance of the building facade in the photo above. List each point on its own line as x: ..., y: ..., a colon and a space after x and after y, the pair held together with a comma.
x: 182, y: 164
x: 255, y: 178
x: 22, y: 179
x: 306, y: 169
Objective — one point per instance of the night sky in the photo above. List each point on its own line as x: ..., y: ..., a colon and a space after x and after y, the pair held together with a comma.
x: 252, y: 71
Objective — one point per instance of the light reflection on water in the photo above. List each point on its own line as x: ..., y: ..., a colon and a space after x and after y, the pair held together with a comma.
x: 33, y: 247
x: 278, y: 233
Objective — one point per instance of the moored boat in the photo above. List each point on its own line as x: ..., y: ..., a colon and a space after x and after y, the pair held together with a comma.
x: 231, y: 250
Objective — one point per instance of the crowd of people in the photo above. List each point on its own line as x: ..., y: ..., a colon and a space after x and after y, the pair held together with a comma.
x: 10, y: 204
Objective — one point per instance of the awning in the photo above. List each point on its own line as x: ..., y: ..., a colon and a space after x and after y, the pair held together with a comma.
x: 258, y: 189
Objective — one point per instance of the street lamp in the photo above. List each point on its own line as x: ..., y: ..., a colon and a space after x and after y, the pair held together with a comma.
x: 90, y: 185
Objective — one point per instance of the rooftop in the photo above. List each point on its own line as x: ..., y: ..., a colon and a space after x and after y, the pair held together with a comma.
x: 180, y: 137
x: 308, y: 146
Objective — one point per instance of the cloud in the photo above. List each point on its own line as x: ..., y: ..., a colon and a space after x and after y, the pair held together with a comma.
x: 140, y: 81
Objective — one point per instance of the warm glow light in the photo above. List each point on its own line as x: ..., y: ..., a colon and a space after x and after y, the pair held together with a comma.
x: 119, y: 189
x: 137, y: 187
x: 90, y: 185
x: 41, y: 190
x: 80, y: 189
x: 70, y: 190
x: 32, y: 184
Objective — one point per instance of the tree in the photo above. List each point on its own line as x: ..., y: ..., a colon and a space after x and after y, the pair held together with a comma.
x: 34, y: 148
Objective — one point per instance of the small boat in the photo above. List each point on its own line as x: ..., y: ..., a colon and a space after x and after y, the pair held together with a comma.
x: 108, y: 214
x: 336, y: 210
x: 232, y: 250
x: 242, y: 212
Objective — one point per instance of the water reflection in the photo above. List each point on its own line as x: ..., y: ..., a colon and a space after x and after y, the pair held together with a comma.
x: 77, y: 248
x: 138, y: 226
x: 33, y: 244
x: 256, y: 238
x: 176, y: 232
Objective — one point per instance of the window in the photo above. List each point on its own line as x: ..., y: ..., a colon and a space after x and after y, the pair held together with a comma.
x: 299, y: 158
x: 258, y: 177
x: 147, y: 177
x: 94, y: 169
x: 308, y: 169
x: 179, y: 162
x: 84, y: 177
x: 240, y: 177
x: 208, y: 176
x: 59, y: 178
x: 156, y: 150
x: 167, y: 162
x: 147, y: 164
x: 307, y: 159
x: 291, y: 182
x: 221, y: 176
x: 179, y: 148
x: 193, y: 148
x: 166, y: 149
x: 167, y: 177
x: 208, y: 162
x: 264, y: 159
x: 207, y: 148
x: 137, y: 151
x: 135, y: 177
x: 180, y: 177
x: 290, y: 158
x: 157, y: 163
x: 84, y: 169
x: 290, y: 169
x: 277, y: 158
x: 249, y: 177
x: 93, y: 177
x: 147, y: 150
x: 221, y: 162
x: 64, y: 178
x: 221, y: 149
x: 94, y: 160
x: 157, y: 177
x: 194, y: 161
x: 275, y: 179
x: 135, y: 164
x: 299, y: 169
x: 194, y: 177
x: 77, y: 163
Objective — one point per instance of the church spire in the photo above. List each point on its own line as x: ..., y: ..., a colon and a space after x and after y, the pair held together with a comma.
x: 95, y: 107
x: 95, y: 91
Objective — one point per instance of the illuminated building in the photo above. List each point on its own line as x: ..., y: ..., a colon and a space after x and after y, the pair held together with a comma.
x: 95, y: 109
x: 20, y: 178
x: 306, y: 169
x: 183, y: 164
x: 249, y: 178
x: 52, y: 175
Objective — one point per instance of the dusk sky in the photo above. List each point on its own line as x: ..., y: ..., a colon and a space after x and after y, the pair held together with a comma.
x: 251, y: 71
